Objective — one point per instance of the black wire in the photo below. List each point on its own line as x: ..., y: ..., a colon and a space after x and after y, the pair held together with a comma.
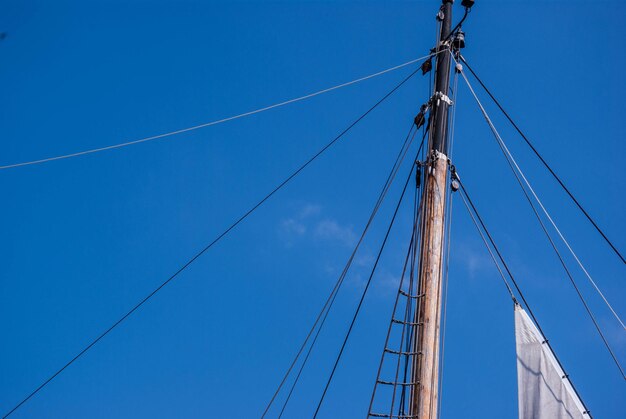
x: 413, y: 313
x: 395, y: 307
x: 330, y: 299
x: 335, y: 291
x: 417, y: 215
x: 545, y: 163
x: 558, y: 254
x: 458, y: 25
x: 217, y: 239
x: 393, y: 313
x: 412, y: 242
x: 493, y: 258
x: 519, y: 291
x: 556, y: 250
x: 369, y: 281
x: 408, y: 312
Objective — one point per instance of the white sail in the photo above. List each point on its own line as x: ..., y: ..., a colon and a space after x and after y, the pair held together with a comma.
x: 543, y: 390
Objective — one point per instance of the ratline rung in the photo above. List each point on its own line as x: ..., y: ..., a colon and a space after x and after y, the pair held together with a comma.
x: 387, y: 415
x: 391, y: 383
x: 391, y: 351
x: 406, y: 294
x: 407, y: 323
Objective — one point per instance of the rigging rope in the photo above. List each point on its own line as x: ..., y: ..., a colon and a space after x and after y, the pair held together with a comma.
x: 467, y: 200
x: 412, y: 242
x: 408, y: 312
x: 367, y: 285
x: 211, y: 244
x: 493, y: 257
x: 331, y: 298
x: 325, y: 316
x: 513, y: 164
x: 414, y: 239
x: 544, y: 162
x: 448, y: 229
x: 216, y: 122
x: 519, y: 170
x: 458, y: 25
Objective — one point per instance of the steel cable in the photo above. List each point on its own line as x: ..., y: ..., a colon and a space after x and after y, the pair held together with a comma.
x: 467, y: 200
x: 331, y: 298
x: 360, y: 304
x: 544, y: 162
x: 211, y: 244
x: 216, y: 122
x: 516, y: 169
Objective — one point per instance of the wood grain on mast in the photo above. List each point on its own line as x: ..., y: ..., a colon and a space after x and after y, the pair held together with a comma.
x: 425, y: 368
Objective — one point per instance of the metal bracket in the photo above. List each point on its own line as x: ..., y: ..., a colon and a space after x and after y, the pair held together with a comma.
x: 444, y: 45
x: 441, y: 96
x: 453, y: 173
x: 438, y: 155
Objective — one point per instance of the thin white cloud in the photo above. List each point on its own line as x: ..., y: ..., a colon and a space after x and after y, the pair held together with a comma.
x: 364, y: 261
x: 292, y: 226
x: 616, y: 334
x: 388, y: 282
x: 474, y: 260
x: 329, y: 229
x: 309, y: 210
x: 307, y: 223
x: 297, y: 226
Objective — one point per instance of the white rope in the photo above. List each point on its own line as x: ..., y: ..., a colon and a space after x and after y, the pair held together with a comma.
x: 219, y: 121
x: 505, y: 148
x: 447, y: 258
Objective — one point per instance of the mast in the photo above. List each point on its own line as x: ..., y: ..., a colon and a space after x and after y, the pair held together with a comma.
x: 425, y: 368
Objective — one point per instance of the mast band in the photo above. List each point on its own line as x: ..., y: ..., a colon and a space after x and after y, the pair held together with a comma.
x: 441, y: 96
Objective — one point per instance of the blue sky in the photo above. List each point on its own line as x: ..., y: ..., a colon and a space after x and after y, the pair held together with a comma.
x: 84, y: 239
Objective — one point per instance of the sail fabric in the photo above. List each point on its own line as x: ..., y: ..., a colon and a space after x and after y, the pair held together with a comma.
x: 544, y: 392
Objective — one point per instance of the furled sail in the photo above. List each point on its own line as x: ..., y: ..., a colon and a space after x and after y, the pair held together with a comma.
x: 544, y: 391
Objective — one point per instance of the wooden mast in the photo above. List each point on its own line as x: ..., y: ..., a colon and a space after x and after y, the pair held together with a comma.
x: 425, y: 368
